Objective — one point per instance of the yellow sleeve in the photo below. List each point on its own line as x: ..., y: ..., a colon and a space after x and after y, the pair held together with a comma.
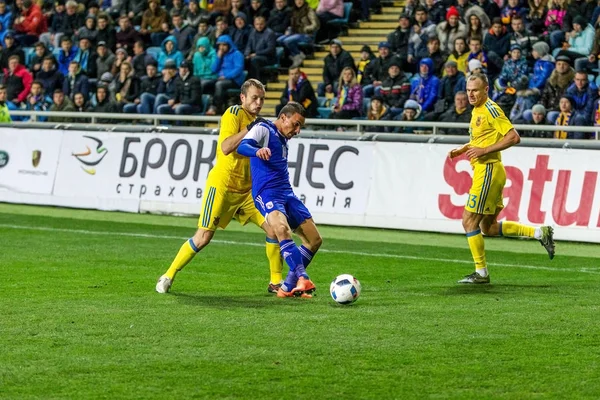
x: 499, y: 121
x: 230, y: 123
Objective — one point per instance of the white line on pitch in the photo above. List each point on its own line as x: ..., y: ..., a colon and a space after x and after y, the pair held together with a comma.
x: 354, y: 253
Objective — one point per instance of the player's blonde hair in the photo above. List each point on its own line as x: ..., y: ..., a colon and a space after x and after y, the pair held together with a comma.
x: 478, y: 75
x: 252, y: 83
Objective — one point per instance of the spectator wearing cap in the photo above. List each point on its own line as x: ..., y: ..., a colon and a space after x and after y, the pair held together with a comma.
x: 328, y: 10
x: 38, y: 56
x: 229, y: 67
x: 50, y: 77
x: 280, y: 17
x: 412, y: 111
x: 203, y: 59
x: 260, y: 50
x: 525, y: 98
x: 395, y: 88
x: 474, y: 66
x: 559, y: 81
x: 127, y: 36
x: 378, y: 69
x: 11, y: 48
x: 433, y: 52
x: 567, y: 117
x: 88, y: 31
x: 459, y: 111
x: 378, y: 111
x: 523, y: 37
x: 120, y: 57
x: 366, y: 56
x: 512, y: 71
x: 349, y: 103
x: 478, y: 23
x: 398, y: 39
x: 452, y: 83
x: 584, y: 95
x: 5, y: 20
x: 581, y: 41
x: 134, y: 9
x: 334, y: 63
x: 543, y: 67
x: 106, y: 33
x: 450, y: 29
x: 154, y: 20
x: 304, y: 25
x: 497, y: 44
x: 169, y: 51
x: 417, y: 43
x: 166, y: 90
x: 30, y: 24
x: 72, y: 21
x: 424, y: 86
x: 194, y: 15
x: 86, y: 57
x: 240, y: 31
x: 299, y: 89
x: 148, y: 86
x: 182, y: 32
x: 66, y: 54
x: 125, y: 87
x: 60, y: 103
x: 104, y: 104
x: 188, y: 94
x: 140, y: 59
x: 104, y: 60
x: 17, y: 80
x: 75, y: 81
x: 460, y: 55
x: 536, y: 116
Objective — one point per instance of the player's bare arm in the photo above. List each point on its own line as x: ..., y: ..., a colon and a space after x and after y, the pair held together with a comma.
x: 459, y: 151
x: 230, y: 144
x: 510, y: 139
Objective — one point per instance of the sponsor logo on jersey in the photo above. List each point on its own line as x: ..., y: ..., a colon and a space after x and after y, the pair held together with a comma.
x: 269, y: 205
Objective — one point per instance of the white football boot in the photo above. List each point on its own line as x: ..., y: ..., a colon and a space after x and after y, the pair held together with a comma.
x: 164, y: 284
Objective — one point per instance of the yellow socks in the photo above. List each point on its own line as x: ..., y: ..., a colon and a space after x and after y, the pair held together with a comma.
x: 509, y: 228
x: 275, y: 262
x: 475, y: 239
x: 187, y: 251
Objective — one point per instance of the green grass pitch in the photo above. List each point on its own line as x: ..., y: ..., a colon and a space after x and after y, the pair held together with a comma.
x: 79, y: 318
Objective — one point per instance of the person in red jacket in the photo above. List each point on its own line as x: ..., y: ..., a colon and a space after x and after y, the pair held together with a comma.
x: 30, y: 25
x: 17, y: 80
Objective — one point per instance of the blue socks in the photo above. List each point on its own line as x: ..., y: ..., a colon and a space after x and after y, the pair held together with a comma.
x: 298, y: 259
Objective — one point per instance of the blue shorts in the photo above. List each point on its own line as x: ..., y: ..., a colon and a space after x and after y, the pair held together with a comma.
x: 284, y: 202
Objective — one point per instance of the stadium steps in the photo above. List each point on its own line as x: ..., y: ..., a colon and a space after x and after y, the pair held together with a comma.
x: 368, y: 33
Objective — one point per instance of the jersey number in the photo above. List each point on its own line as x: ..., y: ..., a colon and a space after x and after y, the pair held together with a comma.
x: 472, y: 201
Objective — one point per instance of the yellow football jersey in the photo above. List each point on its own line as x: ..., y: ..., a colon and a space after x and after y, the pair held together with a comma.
x: 488, y: 126
x: 232, y: 170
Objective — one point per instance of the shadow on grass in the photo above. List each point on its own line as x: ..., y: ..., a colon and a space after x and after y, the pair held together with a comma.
x: 228, y: 301
x: 494, y: 289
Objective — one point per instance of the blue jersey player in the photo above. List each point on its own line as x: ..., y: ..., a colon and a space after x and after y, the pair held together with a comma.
x: 266, y: 145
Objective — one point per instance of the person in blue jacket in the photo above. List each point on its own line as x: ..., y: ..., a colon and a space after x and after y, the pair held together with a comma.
x: 424, y: 87
x: 229, y: 67
x: 169, y: 52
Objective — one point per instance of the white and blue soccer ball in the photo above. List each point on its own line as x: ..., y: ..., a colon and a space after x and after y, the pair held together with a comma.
x: 345, y: 289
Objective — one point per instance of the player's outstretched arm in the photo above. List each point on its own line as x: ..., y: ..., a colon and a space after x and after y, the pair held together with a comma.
x: 232, y: 142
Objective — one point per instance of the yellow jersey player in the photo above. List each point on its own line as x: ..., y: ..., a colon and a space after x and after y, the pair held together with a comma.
x: 490, y: 133
x: 228, y: 192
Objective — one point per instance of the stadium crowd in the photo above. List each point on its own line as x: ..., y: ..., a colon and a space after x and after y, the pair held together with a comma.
x: 153, y: 57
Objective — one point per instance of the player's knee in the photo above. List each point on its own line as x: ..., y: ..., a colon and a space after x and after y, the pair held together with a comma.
x: 202, y: 238
x: 282, y: 231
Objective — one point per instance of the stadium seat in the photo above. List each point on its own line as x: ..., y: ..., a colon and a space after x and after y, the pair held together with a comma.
x: 206, y: 99
x: 236, y: 92
x: 56, y: 52
x: 342, y: 23
x: 29, y: 53
x: 273, y: 70
x: 154, y: 51
x: 325, y: 111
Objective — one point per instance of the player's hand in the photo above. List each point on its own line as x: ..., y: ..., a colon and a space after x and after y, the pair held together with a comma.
x: 253, y: 123
x: 476, y: 152
x: 264, y: 153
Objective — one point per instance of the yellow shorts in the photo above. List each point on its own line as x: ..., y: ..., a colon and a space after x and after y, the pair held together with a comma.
x: 220, y: 206
x: 485, y: 196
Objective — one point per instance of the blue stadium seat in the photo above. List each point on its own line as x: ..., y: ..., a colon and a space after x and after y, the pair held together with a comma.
x: 325, y: 112
x: 29, y: 52
x: 272, y: 70
x: 154, y: 51
x: 236, y: 92
x: 342, y: 22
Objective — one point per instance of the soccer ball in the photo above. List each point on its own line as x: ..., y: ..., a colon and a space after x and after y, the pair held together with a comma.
x: 345, y: 289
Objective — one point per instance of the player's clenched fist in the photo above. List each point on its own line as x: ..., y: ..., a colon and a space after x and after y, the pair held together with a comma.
x: 457, y: 152
x: 264, y: 153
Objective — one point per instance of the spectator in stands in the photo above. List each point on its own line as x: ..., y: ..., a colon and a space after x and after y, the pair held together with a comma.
x: 567, y: 117
x: 554, y: 22
x: 513, y: 70
x: 120, y: 57
x: 474, y: 66
x: 377, y: 70
x: 328, y: 10
x: 450, y: 29
x: 581, y: 40
x: 525, y: 98
x: 543, y: 67
x: 395, y: 89
x: 106, y: 33
x: 126, y: 86
x: 334, y: 64
x: 4, y: 111
x: 86, y: 57
x: 591, y: 63
x: 203, y: 60
x: 584, y: 95
x: 366, y: 56
x: 66, y: 54
x: 240, y: 32
x: 75, y: 81
x: 435, y: 10
x: 204, y: 30
x: 433, y: 52
x: 182, y: 32
x: 229, y: 67
x: 72, y: 21
x: 154, y: 21
x: 424, y: 86
x: 349, y: 96
x: 30, y: 24
x: 575, y: 8
x: 10, y: 49
x: 169, y: 52
x: 220, y: 9
x: 260, y: 50
x: 104, y: 60
x: 537, y: 117
x: 412, y: 112
x: 257, y: 8
x: 512, y: 9
x: 410, y: 8
x: 490, y: 8
x: 463, y: 6
x: 133, y: 9
x: 188, y: 94
x: 497, y: 45
x: 149, y: 87
x: 478, y: 23
x: 88, y: 31
x: 378, y: 111
x: 279, y: 18
x: 299, y: 89
x: 398, y: 40
x: 80, y: 103
x: 36, y: 100
x: 536, y: 16
x: 417, y: 43
x: 165, y: 91
x: 38, y: 57
x: 460, y: 54
x: 104, y: 104
x: 236, y: 7
x: 179, y: 7
x: 521, y: 36
x: 50, y: 77
x: 559, y: 81
x: 303, y: 26
x: 221, y: 28
x: 5, y: 20
x: 460, y: 111
x: 453, y: 82
x: 477, y: 53
x: 17, y: 80
x: 127, y: 36
x: 60, y: 104
x: 140, y: 59
x: 194, y: 14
